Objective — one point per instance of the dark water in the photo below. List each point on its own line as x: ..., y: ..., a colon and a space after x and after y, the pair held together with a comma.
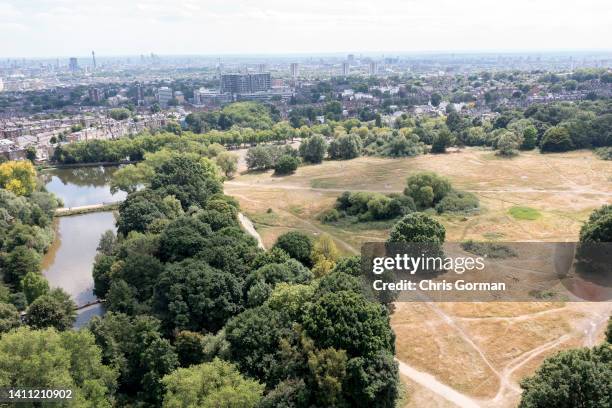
x: 68, y: 263
x: 82, y: 186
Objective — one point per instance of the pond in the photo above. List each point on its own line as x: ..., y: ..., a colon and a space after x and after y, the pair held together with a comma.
x: 82, y: 185
x: 69, y: 262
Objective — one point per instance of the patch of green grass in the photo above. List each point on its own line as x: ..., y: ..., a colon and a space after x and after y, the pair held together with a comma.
x: 267, y: 218
x: 324, y: 183
x: 524, y: 213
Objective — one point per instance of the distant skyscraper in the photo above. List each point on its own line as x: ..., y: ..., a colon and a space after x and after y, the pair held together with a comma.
x: 345, y: 68
x: 245, y: 83
x: 373, y: 68
x: 93, y: 57
x: 261, y: 68
x: 73, y: 64
x: 295, y: 70
x: 351, y: 58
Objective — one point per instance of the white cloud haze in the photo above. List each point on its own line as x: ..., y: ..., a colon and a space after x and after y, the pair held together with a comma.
x: 44, y: 28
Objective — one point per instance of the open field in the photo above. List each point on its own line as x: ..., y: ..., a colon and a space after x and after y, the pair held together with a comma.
x: 480, y: 350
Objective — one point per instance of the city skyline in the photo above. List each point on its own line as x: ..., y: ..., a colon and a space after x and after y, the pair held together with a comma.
x: 45, y: 29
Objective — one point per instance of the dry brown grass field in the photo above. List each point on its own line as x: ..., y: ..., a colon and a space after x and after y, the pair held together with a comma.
x: 457, y: 354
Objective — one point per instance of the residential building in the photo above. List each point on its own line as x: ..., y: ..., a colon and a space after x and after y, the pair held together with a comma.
x: 164, y: 95
x: 373, y: 69
x: 245, y: 83
x: 295, y: 70
x: 96, y: 95
x: 345, y: 68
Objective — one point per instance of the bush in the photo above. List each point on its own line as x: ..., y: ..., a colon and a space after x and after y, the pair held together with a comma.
x: 457, y: 201
x: 331, y: 215
x: 286, y: 165
x: 488, y: 249
x: 369, y: 206
x: 604, y: 153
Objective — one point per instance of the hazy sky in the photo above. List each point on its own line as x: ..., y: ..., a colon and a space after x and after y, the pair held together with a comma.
x: 43, y: 28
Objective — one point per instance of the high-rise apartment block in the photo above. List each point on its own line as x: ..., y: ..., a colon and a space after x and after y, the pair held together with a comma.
x: 245, y: 83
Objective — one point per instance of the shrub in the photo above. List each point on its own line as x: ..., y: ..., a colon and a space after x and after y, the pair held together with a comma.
x: 488, y: 249
x: 457, y: 201
x: 286, y: 165
x: 604, y: 153
x: 331, y: 215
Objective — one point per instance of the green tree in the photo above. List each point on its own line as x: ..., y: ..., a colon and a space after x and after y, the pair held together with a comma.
x: 48, y: 359
x: 259, y: 158
x: 441, y: 141
x: 598, y: 227
x: 186, y: 179
x: 9, y: 317
x: 297, y: 245
x: 435, y: 99
x: 286, y: 164
x: 191, y: 295
x: 508, y: 144
x: 571, y: 378
x: 136, y: 348
x: 556, y: 139
x: 346, y: 320
x: 55, y: 309
x: 228, y: 163
x: 190, y: 348
x: 417, y: 227
x: 19, y: 262
x: 345, y: 147
x: 530, y: 137
x: 34, y: 285
x: 31, y: 153
x: 427, y: 189
x: 183, y: 238
x: 313, y: 149
x: 217, y: 384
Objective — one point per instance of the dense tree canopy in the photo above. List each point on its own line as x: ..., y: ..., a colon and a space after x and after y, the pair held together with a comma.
x: 47, y: 359
x: 217, y: 384
x: 571, y: 378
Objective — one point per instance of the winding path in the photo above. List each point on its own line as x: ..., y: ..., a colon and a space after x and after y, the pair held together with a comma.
x: 250, y: 228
